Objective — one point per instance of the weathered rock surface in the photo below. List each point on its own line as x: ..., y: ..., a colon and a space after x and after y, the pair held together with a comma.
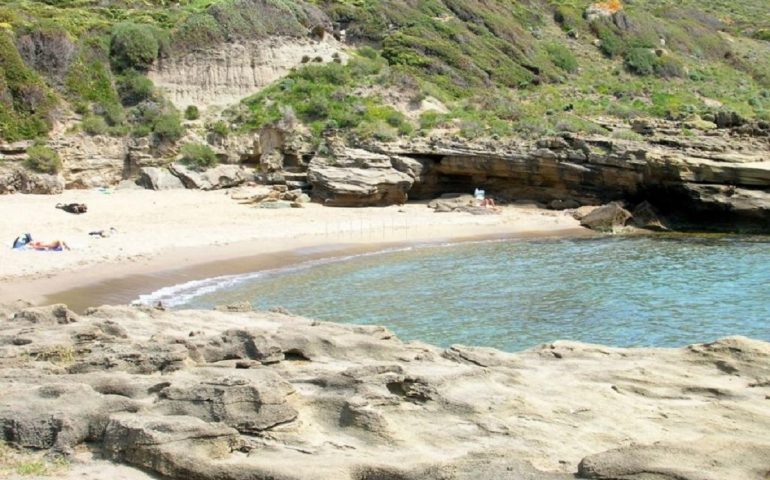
x: 606, y: 218
x: 16, y: 179
x: 158, y: 178
x: 91, y: 161
x: 719, y: 180
x: 224, y: 75
x: 356, y: 178
x: 257, y: 395
x: 221, y: 176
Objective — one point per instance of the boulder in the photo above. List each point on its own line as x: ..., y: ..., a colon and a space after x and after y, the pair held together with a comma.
x: 606, y: 218
x: 646, y: 216
x: 157, y: 178
x: 449, y: 202
x: 221, y: 176
x: 357, y: 178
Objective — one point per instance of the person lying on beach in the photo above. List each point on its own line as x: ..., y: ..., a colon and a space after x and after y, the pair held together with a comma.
x: 54, y: 246
x: 25, y: 241
x: 76, y: 208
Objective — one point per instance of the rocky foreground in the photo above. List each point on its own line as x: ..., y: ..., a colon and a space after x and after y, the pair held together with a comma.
x: 237, y: 394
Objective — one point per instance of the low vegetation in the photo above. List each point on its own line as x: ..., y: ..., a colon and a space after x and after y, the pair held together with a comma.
x: 500, y: 68
x: 26, y: 464
x: 198, y: 156
x: 43, y: 159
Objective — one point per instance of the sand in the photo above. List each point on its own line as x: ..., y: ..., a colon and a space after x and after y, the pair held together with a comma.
x: 162, y: 238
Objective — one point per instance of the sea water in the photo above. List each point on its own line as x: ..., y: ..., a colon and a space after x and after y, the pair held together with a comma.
x: 512, y: 295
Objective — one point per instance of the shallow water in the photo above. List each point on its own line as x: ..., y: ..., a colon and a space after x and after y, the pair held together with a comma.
x: 512, y: 295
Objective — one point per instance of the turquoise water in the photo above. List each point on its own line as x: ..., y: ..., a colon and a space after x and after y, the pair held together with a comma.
x: 639, y: 291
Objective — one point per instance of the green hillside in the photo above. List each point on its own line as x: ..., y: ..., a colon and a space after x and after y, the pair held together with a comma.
x: 501, y: 68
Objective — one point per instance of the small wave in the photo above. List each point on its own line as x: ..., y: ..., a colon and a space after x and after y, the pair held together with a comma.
x: 182, y: 293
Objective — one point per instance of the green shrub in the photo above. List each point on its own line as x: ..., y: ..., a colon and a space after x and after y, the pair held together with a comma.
x: 430, y: 120
x: 134, y: 88
x: 568, y: 17
x: 135, y: 46
x: 641, y: 61
x: 562, y: 57
x: 43, y: 159
x: 25, y: 100
x: 368, y: 52
x: 471, y: 129
x: 191, y: 113
x: 669, y: 67
x: 197, y: 30
x: 763, y: 34
x: 198, y: 156
x: 141, y: 130
x: 612, y: 45
x: 220, y: 128
x: 168, y: 127
x: 94, y: 125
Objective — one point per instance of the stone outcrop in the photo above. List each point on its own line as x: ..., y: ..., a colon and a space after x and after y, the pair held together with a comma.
x: 606, y: 218
x: 16, y: 179
x: 356, y: 178
x: 224, y: 75
x: 719, y: 180
x: 236, y: 394
x: 220, y: 176
x: 157, y: 178
x: 91, y: 161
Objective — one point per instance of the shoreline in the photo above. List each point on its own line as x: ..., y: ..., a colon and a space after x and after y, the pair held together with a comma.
x: 171, y: 237
x: 100, y: 285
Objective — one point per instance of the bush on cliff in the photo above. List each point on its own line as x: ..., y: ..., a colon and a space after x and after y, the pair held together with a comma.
x: 94, y: 125
x: 135, y: 45
x: 641, y: 61
x: 26, y: 102
x: 562, y: 57
x: 198, y: 156
x: 43, y: 159
x: 191, y: 113
x: 168, y: 127
x: 134, y: 88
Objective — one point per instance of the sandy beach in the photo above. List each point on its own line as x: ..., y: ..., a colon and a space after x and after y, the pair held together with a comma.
x: 163, y: 238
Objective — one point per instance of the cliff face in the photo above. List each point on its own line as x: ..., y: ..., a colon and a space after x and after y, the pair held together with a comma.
x: 225, y: 75
x: 720, y: 180
x: 241, y: 394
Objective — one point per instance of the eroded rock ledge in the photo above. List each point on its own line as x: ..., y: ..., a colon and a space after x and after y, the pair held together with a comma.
x: 258, y: 395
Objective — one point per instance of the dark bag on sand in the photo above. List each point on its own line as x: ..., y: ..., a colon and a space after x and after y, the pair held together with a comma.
x: 22, y: 240
x: 76, y: 208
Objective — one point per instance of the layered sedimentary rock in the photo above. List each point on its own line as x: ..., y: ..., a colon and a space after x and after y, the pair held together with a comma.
x: 718, y: 180
x: 355, y: 178
x: 225, y: 75
x: 234, y: 394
